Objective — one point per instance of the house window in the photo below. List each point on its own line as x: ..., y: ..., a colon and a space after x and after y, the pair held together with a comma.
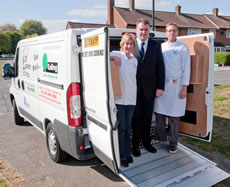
x: 228, y: 34
x: 194, y: 31
x: 213, y: 31
x: 219, y: 49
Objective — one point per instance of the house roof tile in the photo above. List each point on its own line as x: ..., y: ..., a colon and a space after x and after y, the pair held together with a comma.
x: 162, y: 18
x: 222, y: 22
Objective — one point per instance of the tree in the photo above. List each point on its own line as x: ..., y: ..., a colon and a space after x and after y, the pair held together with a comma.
x: 31, y: 27
x: 32, y: 35
x: 8, y: 28
x: 5, y: 42
x: 15, y: 37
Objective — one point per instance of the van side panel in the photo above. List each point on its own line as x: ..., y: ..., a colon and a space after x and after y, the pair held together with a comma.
x: 47, y: 67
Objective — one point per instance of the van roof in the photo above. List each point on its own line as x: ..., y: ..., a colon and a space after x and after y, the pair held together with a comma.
x: 114, y: 32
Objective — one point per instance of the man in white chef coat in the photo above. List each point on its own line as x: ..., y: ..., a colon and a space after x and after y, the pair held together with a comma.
x: 171, y: 105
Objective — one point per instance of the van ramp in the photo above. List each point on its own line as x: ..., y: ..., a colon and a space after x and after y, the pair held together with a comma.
x: 184, y: 168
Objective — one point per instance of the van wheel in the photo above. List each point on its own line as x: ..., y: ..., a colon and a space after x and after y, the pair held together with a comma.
x: 18, y: 120
x: 54, y: 149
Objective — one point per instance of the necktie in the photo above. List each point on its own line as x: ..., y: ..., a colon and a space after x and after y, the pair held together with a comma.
x: 142, y: 52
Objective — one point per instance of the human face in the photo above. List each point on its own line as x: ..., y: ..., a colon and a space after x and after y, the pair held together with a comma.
x: 142, y: 31
x: 171, y: 32
x: 128, y: 47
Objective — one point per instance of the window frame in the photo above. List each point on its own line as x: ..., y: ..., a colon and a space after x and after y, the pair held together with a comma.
x: 193, y: 31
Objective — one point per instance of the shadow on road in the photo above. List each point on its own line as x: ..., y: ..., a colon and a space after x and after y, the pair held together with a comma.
x: 96, y: 165
x: 25, y: 124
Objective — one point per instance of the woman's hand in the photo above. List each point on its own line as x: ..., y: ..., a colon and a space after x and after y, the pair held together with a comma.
x: 117, y: 60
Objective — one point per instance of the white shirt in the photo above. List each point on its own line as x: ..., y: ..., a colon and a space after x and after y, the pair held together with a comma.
x: 139, y: 44
x: 128, y: 71
x: 177, y: 73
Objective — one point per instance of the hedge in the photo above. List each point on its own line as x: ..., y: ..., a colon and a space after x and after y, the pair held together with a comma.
x: 222, y: 58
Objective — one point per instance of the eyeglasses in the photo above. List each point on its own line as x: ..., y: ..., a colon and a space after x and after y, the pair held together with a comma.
x: 173, y: 30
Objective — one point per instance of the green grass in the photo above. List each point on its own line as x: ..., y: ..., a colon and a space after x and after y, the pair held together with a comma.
x: 221, y: 98
x: 3, y: 182
x: 1, y: 63
x: 219, y: 88
x: 216, y: 145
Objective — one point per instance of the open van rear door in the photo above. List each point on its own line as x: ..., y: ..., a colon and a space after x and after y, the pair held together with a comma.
x: 98, y: 97
x: 198, y: 119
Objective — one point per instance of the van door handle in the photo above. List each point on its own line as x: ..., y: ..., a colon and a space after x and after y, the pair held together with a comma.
x: 116, y: 125
x: 19, y: 85
x: 22, y: 83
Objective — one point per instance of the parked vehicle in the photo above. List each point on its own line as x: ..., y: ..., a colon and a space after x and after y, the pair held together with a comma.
x: 6, y: 56
x: 7, y: 71
x: 62, y: 84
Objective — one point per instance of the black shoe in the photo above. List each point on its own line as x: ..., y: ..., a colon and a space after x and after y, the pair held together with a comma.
x: 136, y: 152
x: 150, y: 148
x: 130, y: 159
x: 124, y: 163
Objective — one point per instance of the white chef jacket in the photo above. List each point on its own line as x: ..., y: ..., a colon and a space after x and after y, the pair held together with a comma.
x: 177, y: 73
x: 128, y: 71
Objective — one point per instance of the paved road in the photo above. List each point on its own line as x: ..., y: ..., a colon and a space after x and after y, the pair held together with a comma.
x: 222, y: 76
x: 24, y: 148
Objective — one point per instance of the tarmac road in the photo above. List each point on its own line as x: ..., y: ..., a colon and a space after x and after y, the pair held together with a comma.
x: 222, y: 75
x: 25, y: 149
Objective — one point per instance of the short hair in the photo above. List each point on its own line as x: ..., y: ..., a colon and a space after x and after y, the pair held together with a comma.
x: 171, y: 23
x: 126, y: 37
x: 144, y: 21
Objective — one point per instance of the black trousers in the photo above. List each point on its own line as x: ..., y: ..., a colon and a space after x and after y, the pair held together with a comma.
x: 142, y: 121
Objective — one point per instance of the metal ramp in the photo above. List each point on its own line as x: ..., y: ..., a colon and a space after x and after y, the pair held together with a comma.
x: 184, y: 168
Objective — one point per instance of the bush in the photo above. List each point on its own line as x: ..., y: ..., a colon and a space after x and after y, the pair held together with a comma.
x: 222, y: 58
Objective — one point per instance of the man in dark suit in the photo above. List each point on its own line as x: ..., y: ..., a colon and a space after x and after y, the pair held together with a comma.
x: 150, y: 84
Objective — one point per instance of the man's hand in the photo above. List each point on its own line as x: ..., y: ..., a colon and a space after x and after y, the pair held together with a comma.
x: 159, y: 92
x: 183, y: 92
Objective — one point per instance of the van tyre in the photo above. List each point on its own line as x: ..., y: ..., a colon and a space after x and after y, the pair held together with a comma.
x: 54, y: 148
x: 18, y: 120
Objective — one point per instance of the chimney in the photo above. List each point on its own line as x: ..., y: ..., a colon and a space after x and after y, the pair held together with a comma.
x: 178, y: 9
x: 131, y: 4
x: 215, y: 12
x: 110, y: 12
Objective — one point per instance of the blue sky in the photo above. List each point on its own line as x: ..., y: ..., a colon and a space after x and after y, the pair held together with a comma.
x: 54, y: 14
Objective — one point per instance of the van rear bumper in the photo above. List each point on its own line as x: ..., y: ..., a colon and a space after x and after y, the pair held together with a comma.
x: 71, y: 140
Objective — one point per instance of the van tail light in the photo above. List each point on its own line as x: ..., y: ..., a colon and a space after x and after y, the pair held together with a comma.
x: 74, y: 105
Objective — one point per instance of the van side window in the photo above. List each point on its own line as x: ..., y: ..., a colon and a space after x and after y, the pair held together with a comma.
x: 16, y: 63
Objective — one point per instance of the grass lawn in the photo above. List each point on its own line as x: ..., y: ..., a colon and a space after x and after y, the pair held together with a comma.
x: 221, y: 125
x: 1, y: 63
x: 3, y: 182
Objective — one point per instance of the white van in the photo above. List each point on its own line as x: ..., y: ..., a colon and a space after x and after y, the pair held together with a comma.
x: 62, y: 85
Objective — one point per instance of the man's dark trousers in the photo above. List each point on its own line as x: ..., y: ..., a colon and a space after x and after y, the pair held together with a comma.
x: 142, y: 120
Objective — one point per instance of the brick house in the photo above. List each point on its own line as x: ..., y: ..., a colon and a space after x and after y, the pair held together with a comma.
x: 188, y: 24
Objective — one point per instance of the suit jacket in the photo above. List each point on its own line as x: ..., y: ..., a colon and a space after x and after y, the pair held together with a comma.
x: 150, y: 70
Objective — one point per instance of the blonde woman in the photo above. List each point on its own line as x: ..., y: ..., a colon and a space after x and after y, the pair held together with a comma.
x: 126, y: 103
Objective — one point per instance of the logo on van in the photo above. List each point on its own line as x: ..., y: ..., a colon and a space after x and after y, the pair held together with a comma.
x: 92, y: 41
x: 49, y: 67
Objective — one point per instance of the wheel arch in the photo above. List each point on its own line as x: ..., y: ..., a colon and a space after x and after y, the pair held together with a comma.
x: 46, y: 121
x: 11, y: 99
